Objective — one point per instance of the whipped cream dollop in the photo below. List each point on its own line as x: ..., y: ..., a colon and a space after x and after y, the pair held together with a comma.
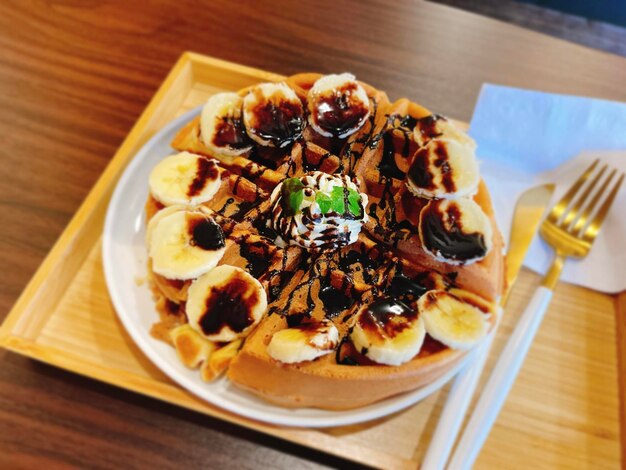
x: 317, y: 211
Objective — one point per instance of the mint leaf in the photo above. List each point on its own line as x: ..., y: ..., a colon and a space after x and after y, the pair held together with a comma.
x: 337, y: 203
x: 295, y: 199
x: 324, y: 201
x: 292, y: 185
x: 354, y: 198
x: 292, y: 195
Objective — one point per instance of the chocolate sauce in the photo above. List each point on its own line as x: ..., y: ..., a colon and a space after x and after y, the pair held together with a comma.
x: 277, y: 120
x: 229, y: 202
x: 419, y: 172
x: 388, y: 166
x: 362, y: 261
x: 231, y: 132
x: 205, y: 233
x: 408, y: 122
x: 295, y: 319
x: 334, y: 300
x: 452, y: 242
x: 171, y: 307
x: 387, y: 317
x: 401, y: 287
x: 443, y: 164
x: 427, y: 127
x: 258, y: 255
x: 260, y: 158
x: 346, y: 353
x: 230, y: 306
x: 338, y: 113
x: 206, y: 171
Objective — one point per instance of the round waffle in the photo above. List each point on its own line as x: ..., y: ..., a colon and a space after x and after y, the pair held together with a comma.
x: 362, y: 223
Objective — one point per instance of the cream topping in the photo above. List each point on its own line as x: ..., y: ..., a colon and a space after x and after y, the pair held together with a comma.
x: 318, y: 211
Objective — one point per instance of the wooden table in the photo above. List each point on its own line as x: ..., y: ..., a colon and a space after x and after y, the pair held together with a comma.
x: 73, y: 79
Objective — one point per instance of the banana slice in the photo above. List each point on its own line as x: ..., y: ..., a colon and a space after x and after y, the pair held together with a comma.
x: 438, y: 127
x: 388, y: 331
x: 304, y: 342
x: 443, y: 169
x: 184, y: 178
x: 221, y: 125
x: 273, y: 115
x: 219, y: 361
x: 455, y: 232
x: 225, y: 303
x: 169, y: 210
x: 338, y: 105
x: 191, y: 348
x: 185, y: 244
x: 457, y: 318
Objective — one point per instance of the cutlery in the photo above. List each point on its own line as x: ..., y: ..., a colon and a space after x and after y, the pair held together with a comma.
x: 570, y: 229
x: 529, y: 210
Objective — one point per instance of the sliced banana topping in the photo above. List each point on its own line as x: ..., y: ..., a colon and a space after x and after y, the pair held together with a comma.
x: 304, y: 342
x: 338, y: 105
x: 221, y: 125
x: 184, y: 244
x: 456, y: 232
x: 185, y: 178
x: 457, y: 318
x: 191, y: 348
x: 225, y: 303
x: 273, y: 115
x: 443, y: 169
x: 388, y: 331
x: 438, y: 127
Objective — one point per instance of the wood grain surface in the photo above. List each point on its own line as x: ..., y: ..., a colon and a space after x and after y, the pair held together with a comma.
x: 74, y: 76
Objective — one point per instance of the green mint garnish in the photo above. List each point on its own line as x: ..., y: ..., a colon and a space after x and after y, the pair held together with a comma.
x: 292, y: 195
x: 337, y: 196
x: 324, y: 202
x: 354, y: 198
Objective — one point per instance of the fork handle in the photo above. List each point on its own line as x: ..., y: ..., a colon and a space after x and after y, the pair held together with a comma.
x: 500, y: 382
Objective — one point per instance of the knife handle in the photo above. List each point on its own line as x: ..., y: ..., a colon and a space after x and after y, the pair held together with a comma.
x: 500, y: 382
x: 453, y: 413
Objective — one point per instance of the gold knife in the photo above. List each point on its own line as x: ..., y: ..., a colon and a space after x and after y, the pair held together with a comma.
x: 528, y: 214
x: 529, y: 211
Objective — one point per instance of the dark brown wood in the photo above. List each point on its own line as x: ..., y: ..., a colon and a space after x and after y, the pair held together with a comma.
x: 620, y: 323
x: 74, y: 76
x: 596, y: 34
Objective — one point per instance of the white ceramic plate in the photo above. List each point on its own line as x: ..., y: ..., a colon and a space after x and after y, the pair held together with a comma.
x: 124, y: 256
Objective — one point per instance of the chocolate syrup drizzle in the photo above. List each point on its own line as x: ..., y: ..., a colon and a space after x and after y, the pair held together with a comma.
x: 276, y: 120
x: 450, y: 241
x: 229, y: 305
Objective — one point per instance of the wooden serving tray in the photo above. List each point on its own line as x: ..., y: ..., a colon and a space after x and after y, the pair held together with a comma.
x: 562, y: 412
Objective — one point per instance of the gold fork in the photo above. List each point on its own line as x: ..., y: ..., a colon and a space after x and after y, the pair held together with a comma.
x: 570, y: 228
x: 570, y: 233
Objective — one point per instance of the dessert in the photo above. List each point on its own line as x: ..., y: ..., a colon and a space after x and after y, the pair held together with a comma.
x: 321, y: 245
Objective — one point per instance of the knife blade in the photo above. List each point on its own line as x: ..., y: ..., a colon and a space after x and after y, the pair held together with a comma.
x: 528, y: 214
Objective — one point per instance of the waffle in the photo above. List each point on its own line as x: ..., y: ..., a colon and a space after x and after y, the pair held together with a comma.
x: 331, y: 283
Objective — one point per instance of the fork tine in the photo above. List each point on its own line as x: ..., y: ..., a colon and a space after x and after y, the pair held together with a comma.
x: 594, y: 227
x: 582, y: 220
x: 582, y: 199
x: 556, y: 213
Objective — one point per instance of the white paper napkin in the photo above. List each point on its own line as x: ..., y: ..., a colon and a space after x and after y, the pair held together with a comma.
x: 527, y: 138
